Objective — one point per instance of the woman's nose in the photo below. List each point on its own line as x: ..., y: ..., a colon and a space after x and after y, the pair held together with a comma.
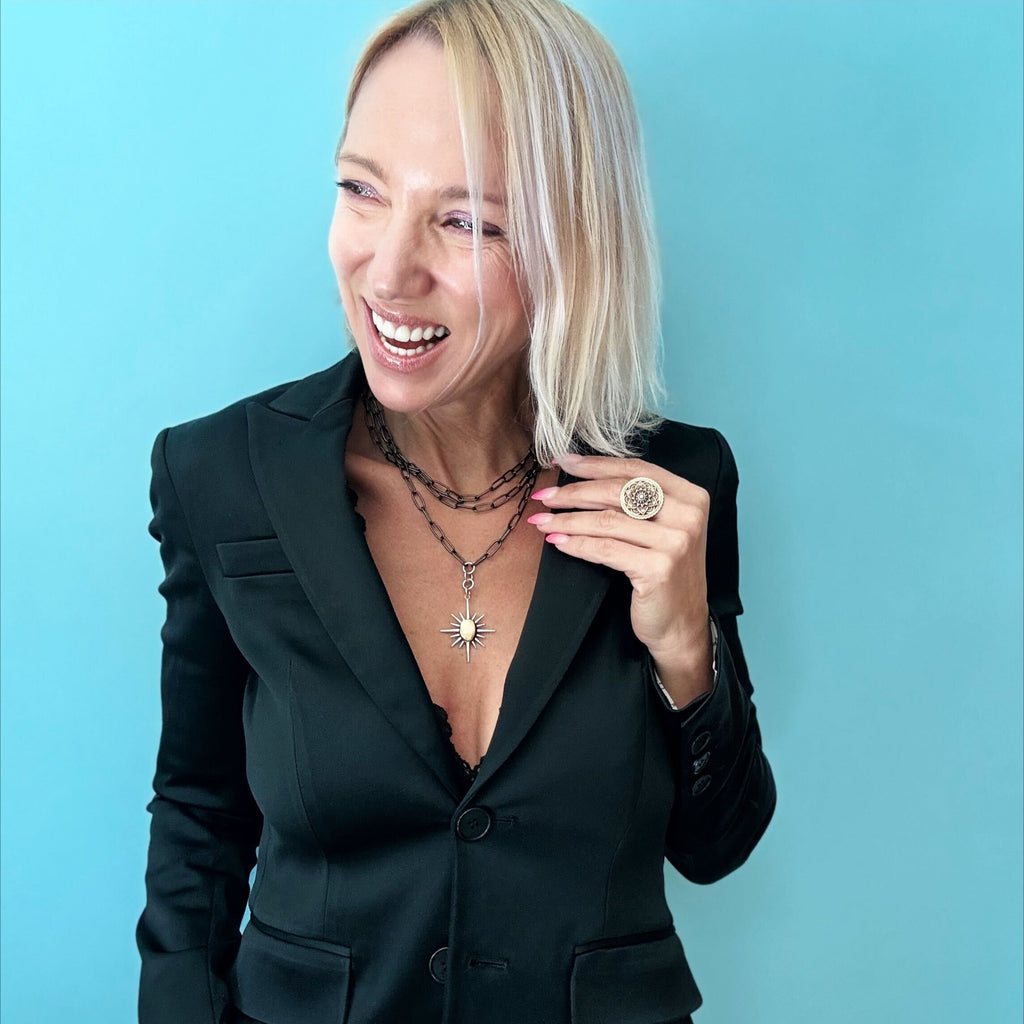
x: 398, y: 268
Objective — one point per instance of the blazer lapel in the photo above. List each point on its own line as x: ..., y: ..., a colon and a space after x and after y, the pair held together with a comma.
x: 297, y: 446
x: 566, y: 596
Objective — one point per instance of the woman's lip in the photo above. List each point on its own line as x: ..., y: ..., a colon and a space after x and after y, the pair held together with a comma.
x: 398, y: 319
x: 399, y: 364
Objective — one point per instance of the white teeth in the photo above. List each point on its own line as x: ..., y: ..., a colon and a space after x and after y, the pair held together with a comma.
x: 407, y: 351
x: 403, y: 333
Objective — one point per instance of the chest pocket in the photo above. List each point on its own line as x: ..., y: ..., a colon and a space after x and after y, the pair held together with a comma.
x: 263, y: 556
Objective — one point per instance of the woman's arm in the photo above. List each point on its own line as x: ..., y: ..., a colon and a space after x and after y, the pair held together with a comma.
x: 205, y: 825
x: 725, y: 789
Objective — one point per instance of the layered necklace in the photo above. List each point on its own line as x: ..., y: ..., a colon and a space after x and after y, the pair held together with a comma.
x: 466, y: 628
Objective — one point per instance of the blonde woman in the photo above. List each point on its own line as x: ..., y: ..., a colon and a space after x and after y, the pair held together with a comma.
x: 451, y: 624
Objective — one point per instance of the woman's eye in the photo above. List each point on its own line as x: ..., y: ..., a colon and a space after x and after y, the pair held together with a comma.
x: 357, y: 188
x: 466, y: 224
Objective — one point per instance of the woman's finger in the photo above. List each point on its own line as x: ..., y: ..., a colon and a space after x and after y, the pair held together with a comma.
x: 616, y: 554
x: 603, y: 493
x: 608, y: 522
x: 597, y: 466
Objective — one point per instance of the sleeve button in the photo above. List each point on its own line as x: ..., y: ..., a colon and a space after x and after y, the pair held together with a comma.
x: 700, y: 741
x: 701, y: 784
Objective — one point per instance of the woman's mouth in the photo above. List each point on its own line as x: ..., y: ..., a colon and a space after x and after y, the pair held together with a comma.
x: 403, y: 343
x: 403, y: 340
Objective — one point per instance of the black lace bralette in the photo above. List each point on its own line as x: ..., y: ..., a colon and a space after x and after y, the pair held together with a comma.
x: 446, y: 726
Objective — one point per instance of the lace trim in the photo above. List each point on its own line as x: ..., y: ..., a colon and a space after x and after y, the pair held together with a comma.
x: 442, y: 717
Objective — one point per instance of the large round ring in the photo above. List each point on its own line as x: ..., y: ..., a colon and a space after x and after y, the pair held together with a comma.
x: 641, y: 497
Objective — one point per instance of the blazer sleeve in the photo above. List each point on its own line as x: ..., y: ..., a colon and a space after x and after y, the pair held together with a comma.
x: 205, y: 825
x: 725, y: 791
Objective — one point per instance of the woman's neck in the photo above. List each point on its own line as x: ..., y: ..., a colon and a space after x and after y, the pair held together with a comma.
x: 464, y: 445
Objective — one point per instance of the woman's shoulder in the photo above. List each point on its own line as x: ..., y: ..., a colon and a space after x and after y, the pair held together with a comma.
x: 695, y: 452
x: 214, y: 436
x: 309, y: 391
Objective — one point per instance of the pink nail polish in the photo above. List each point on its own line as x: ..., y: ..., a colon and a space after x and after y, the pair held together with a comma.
x: 540, y: 517
x: 544, y: 492
x: 556, y: 538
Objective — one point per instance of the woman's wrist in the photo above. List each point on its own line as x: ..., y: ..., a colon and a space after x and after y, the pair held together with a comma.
x: 685, y: 678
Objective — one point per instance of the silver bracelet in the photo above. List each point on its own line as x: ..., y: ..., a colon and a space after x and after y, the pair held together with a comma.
x: 714, y: 666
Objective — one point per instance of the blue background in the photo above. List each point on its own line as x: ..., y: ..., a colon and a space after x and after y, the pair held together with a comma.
x: 838, y: 189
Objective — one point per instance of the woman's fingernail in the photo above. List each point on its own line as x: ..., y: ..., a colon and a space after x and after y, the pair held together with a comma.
x: 540, y: 517
x: 569, y: 459
x: 543, y: 493
x: 556, y: 538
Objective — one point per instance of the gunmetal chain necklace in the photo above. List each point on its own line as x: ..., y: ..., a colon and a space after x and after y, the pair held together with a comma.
x: 465, y: 629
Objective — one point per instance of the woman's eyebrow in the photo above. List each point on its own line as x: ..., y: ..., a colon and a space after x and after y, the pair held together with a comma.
x: 364, y: 161
x: 450, y: 192
x: 457, y: 192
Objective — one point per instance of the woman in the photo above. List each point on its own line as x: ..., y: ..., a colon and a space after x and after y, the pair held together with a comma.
x: 464, y: 690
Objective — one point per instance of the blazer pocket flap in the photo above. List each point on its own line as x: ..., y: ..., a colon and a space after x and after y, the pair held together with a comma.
x: 639, y: 982
x: 290, y: 980
x: 252, y: 557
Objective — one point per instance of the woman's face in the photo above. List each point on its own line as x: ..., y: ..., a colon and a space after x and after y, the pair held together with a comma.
x: 402, y: 249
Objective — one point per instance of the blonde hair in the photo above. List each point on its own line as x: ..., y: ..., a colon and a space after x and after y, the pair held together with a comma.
x: 580, y: 222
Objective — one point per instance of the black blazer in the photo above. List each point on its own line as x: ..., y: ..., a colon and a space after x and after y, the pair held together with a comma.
x: 295, y: 719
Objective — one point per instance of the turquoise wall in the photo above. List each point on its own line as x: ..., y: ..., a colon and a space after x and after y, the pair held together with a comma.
x: 839, y: 199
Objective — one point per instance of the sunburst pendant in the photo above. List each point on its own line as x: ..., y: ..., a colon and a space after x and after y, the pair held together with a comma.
x: 465, y: 629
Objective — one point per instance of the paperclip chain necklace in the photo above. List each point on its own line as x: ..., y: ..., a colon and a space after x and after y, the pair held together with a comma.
x: 465, y: 629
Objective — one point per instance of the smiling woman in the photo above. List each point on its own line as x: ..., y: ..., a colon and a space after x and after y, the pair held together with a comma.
x: 412, y: 258
x: 456, y: 816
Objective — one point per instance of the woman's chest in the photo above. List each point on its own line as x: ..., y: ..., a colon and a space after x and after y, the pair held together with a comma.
x: 463, y: 653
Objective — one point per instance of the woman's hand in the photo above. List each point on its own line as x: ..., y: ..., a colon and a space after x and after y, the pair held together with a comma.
x: 664, y: 558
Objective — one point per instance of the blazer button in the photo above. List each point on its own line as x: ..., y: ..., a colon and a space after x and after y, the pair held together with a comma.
x: 439, y: 964
x: 701, y: 761
x: 474, y: 823
x: 700, y: 741
x: 701, y: 784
